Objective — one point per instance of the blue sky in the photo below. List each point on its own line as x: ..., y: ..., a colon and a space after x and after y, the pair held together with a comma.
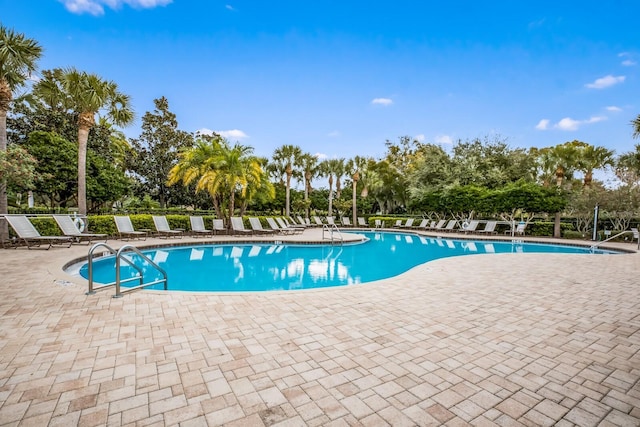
x: 339, y: 78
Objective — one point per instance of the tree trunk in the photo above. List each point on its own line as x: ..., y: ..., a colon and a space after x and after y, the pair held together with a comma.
x: 286, y: 207
x: 86, y: 121
x: 232, y: 198
x: 556, y: 226
x: 330, y: 195
x: 355, y: 203
x: 4, y: 204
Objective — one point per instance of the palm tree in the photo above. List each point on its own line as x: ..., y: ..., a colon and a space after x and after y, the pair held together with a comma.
x: 289, y: 155
x: 86, y: 95
x: 221, y: 170
x: 331, y: 168
x: 355, y: 167
x: 310, y: 170
x: 591, y: 158
x: 636, y: 126
x: 18, y: 57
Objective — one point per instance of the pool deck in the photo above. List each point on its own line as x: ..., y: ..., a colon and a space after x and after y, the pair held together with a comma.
x: 483, y: 340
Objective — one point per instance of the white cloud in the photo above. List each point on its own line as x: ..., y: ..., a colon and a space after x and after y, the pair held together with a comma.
x: 443, y: 139
x: 419, y: 137
x: 205, y: 131
x: 96, y: 7
x: 605, y: 81
x: 628, y: 63
x: 382, y: 101
x: 334, y: 134
x: 570, y: 124
x: 543, y: 124
x: 233, y: 133
x: 320, y: 156
x: 229, y: 7
x: 614, y: 109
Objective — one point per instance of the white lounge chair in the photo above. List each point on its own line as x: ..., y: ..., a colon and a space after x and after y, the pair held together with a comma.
x: 283, y: 225
x: 378, y: 223
x: 439, y: 225
x: 519, y: 230
x: 490, y: 227
x: 218, y: 226
x: 330, y: 220
x: 237, y: 225
x: 398, y: 223
x: 69, y: 228
x: 318, y: 221
x: 346, y: 222
x: 197, y: 226
x: 362, y: 222
x: 30, y: 235
x: 278, y: 229
x: 407, y: 224
x: 451, y: 225
x: 126, y: 230
x: 163, y: 229
x: 256, y: 225
x: 470, y: 227
x: 424, y: 224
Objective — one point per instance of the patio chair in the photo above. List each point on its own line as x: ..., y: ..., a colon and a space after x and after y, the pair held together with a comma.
x: 330, y: 220
x: 197, y: 226
x: 126, y: 230
x: 68, y: 227
x: 346, y: 222
x: 274, y: 226
x: 218, y: 226
x: 302, y: 221
x: 424, y: 224
x: 408, y: 224
x: 398, y: 223
x: 30, y: 235
x: 490, y: 227
x: 256, y: 225
x: 283, y: 225
x: 451, y: 225
x: 362, y: 222
x: 237, y: 225
x: 519, y: 230
x: 439, y: 225
x: 470, y: 226
x: 163, y: 229
x: 378, y: 223
x: 318, y: 221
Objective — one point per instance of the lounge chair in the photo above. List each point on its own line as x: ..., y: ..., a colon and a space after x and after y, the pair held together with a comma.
x: 256, y: 225
x: 451, y: 225
x: 398, y: 223
x: 490, y: 227
x: 330, y: 220
x: 126, y: 230
x: 439, y: 225
x: 519, y: 230
x: 237, y: 225
x: 197, y: 226
x: 32, y: 237
x: 318, y: 221
x: 274, y: 226
x: 163, y: 229
x: 302, y: 221
x: 283, y: 225
x: 408, y: 224
x: 424, y: 224
x: 470, y: 227
x: 346, y: 222
x: 218, y: 226
x: 362, y: 222
x: 69, y: 228
x: 378, y: 223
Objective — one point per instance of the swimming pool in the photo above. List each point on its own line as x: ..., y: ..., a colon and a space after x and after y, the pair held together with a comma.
x: 268, y: 267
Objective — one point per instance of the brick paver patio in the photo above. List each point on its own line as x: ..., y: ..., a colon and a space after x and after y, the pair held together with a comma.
x: 508, y: 340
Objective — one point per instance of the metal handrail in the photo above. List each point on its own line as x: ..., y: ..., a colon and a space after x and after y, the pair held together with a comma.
x: 92, y: 289
x: 330, y: 228
x: 119, y: 256
x: 634, y: 233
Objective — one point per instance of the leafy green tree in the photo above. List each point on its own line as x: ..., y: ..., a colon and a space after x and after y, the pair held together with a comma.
x: 636, y: 126
x: 18, y: 58
x: 157, y: 150
x: 289, y: 156
x: 85, y: 95
x: 18, y: 167
x: 627, y: 166
x: 591, y: 158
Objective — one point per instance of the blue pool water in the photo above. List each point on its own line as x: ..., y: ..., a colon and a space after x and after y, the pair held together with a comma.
x: 266, y: 267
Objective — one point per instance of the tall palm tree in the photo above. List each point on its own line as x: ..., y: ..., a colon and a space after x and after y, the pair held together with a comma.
x: 333, y: 168
x: 355, y: 168
x: 636, y: 126
x: 18, y: 57
x: 289, y: 155
x: 86, y: 95
x: 591, y: 158
x: 310, y: 170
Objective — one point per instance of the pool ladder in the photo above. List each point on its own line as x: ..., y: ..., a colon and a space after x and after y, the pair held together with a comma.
x: 120, y: 255
x: 332, y: 228
x: 634, y: 233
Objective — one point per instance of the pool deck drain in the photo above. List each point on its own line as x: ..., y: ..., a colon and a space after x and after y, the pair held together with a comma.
x: 495, y: 339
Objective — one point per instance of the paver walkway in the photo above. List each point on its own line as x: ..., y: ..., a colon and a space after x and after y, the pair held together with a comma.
x: 512, y: 339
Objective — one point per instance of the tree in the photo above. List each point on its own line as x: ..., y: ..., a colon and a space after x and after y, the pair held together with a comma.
x: 355, y: 168
x: 289, y: 156
x: 591, y: 158
x: 86, y: 95
x: 333, y: 168
x: 157, y: 150
x: 636, y: 126
x: 18, y: 167
x: 219, y: 169
x: 627, y: 167
x: 310, y: 170
x: 18, y: 57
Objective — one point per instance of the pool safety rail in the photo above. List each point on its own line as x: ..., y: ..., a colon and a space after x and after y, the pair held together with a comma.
x: 120, y: 255
x: 633, y: 232
x: 331, y: 229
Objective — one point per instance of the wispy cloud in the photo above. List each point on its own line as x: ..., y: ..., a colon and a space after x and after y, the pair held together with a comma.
x: 382, y: 101
x: 536, y: 24
x: 96, y: 7
x: 420, y: 137
x: 543, y: 124
x: 613, y: 108
x: 628, y: 62
x: 568, y: 123
x: 229, y: 7
x: 229, y: 134
x: 334, y: 134
x: 606, y: 81
x: 443, y: 139
x: 320, y: 156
